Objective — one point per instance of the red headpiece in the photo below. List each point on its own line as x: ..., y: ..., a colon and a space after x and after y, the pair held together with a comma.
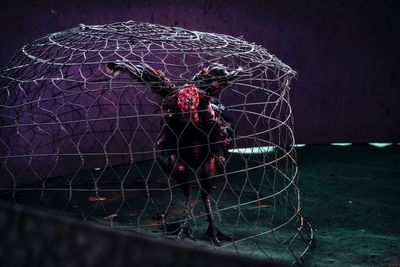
x: 188, y: 100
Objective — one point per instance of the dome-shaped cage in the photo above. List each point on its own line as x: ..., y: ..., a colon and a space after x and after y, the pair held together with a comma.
x: 83, y: 113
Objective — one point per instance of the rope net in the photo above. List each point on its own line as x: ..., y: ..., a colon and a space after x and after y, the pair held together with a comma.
x: 83, y: 113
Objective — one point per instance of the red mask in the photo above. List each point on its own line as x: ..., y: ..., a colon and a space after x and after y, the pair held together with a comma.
x: 188, y: 100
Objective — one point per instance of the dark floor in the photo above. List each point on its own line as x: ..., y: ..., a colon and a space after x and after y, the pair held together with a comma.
x: 350, y: 194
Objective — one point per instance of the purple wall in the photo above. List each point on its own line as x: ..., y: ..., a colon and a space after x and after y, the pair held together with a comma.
x: 346, y: 53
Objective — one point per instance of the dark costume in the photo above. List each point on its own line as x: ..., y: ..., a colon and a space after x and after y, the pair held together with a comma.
x: 194, y: 133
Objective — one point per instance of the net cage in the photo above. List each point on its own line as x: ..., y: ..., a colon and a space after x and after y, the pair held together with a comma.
x: 82, y: 115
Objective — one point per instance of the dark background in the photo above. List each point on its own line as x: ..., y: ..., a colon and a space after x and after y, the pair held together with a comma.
x: 345, y: 52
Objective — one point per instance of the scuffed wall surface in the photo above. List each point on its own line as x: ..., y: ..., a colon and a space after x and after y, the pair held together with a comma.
x: 346, y: 52
x: 31, y: 237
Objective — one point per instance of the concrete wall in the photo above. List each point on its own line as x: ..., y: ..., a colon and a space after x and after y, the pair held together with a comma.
x: 346, y: 52
x: 34, y: 238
